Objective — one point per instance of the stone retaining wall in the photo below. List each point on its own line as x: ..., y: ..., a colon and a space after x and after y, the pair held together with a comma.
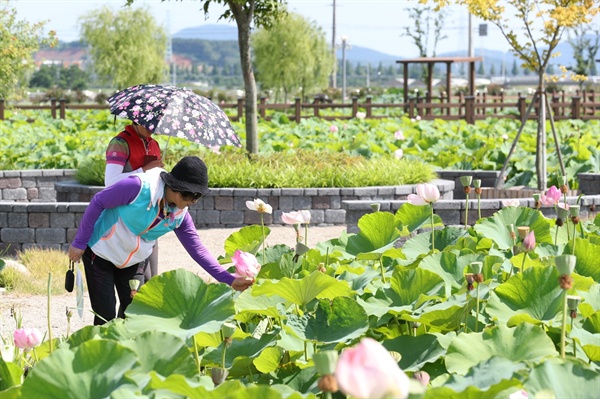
x: 32, y: 185
x: 54, y: 224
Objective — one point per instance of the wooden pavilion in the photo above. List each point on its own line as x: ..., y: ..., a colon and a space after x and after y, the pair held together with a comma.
x: 446, y: 60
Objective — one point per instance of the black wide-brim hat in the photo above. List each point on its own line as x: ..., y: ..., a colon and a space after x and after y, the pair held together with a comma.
x: 190, y: 174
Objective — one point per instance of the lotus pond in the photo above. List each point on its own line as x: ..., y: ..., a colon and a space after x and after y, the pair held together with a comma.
x: 478, y: 310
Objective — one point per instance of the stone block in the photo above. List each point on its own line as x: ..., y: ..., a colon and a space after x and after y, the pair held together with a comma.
x: 18, y: 220
x: 65, y: 220
x: 15, y: 194
x: 253, y: 217
x: 28, y: 182
x: 321, y: 202
x: 208, y: 218
x: 317, y: 216
x: 47, y: 194
x: 50, y: 235
x: 32, y: 193
x: 3, y: 219
x: 449, y: 217
x: 335, y: 216
x: 39, y: 219
x: 17, y: 235
x: 286, y: 203
x: 224, y: 203
x: 12, y: 182
x: 235, y: 218
x: 301, y: 203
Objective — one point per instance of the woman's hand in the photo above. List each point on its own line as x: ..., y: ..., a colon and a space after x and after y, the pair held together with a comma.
x: 75, y: 254
x: 241, y: 283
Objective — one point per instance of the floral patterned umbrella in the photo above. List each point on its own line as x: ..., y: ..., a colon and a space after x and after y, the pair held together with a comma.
x: 175, y: 111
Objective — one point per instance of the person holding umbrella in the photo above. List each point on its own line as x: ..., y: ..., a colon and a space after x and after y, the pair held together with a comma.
x: 133, y: 151
x: 122, y: 222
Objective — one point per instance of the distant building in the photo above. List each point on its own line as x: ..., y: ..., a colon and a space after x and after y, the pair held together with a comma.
x: 66, y: 58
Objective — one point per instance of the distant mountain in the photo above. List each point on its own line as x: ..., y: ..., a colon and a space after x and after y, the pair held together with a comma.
x: 364, y: 56
x: 214, y: 32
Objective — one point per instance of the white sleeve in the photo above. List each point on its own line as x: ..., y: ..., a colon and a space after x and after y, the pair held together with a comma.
x: 113, y: 173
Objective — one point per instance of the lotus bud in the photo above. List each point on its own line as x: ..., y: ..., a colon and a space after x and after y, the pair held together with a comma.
x: 326, y: 362
x: 218, y: 375
x: 69, y: 313
x: 423, y: 377
x: 322, y: 268
x: 228, y: 329
x: 529, y: 242
x: 523, y: 231
x: 376, y: 207
x: 572, y: 304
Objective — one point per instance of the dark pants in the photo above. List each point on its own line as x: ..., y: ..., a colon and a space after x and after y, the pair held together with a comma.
x: 102, y: 278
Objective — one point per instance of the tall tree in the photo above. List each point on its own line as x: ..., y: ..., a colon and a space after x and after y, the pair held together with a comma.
x: 543, y: 23
x: 246, y: 13
x: 427, y: 31
x: 292, y: 57
x: 127, y: 47
x: 585, y: 43
x: 18, y: 41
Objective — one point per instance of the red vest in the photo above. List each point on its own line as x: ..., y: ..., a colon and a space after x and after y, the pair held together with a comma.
x: 137, y: 149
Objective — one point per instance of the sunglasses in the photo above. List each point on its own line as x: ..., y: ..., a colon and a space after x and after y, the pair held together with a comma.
x: 189, y: 196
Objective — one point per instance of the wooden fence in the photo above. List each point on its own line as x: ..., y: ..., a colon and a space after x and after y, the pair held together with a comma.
x: 584, y: 105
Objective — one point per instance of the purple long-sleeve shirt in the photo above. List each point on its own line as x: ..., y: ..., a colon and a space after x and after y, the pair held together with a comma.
x: 123, y: 193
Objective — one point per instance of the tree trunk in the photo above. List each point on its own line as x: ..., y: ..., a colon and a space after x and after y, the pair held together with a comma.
x: 243, y: 19
x: 540, y: 158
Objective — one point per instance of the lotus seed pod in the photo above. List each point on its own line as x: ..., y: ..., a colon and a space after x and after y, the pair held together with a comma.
x: 328, y: 383
x: 565, y: 264
x: 523, y: 231
x: 477, y: 183
x: 476, y: 267
x: 376, y: 207
x: 218, y: 375
x: 573, y: 302
x: 228, y: 329
x: 466, y: 180
x: 326, y: 362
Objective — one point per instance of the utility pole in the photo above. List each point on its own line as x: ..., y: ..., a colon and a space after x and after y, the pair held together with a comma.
x: 333, y: 81
x: 170, y: 57
x: 470, y: 35
x: 344, y: 46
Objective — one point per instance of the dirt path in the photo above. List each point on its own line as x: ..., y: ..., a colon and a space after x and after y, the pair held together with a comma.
x: 172, y: 255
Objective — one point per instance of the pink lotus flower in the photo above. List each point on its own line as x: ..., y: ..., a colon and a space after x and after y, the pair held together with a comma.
x: 426, y: 194
x: 259, y: 206
x: 511, y: 202
x: 246, y: 264
x: 399, y: 135
x: 333, y: 129
x: 529, y: 242
x: 399, y: 153
x: 300, y: 217
x: 369, y: 371
x: 27, y: 338
x: 551, y: 197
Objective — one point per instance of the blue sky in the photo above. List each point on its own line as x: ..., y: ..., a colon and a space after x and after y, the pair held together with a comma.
x: 376, y: 24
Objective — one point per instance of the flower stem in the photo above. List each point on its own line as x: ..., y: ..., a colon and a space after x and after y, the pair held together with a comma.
x: 432, y: 230
x: 382, y: 271
x: 523, y: 264
x: 262, y: 223
x: 574, y: 343
x: 49, y: 301
x: 197, y: 357
x: 467, y: 211
x: 477, y: 311
x: 563, y: 333
x: 306, y: 234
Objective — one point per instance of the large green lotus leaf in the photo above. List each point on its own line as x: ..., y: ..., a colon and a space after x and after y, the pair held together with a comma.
x: 587, y: 255
x: 379, y: 304
x: 443, y: 317
x: 248, y: 347
x: 164, y: 353
x: 358, y: 282
x: 421, y: 244
x: 414, y: 217
x: 339, y: 320
x: 592, y: 323
x: 263, y: 391
x: 534, y: 293
x: 297, y: 378
x: 566, y: 379
x: 269, y: 359
x: 376, y: 231
x: 301, y: 292
x: 258, y: 304
x: 590, y: 342
x: 10, y: 374
x: 247, y: 239
x: 407, y: 286
x: 496, y: 391
x: 279, y: 262
x: 114, y: 330
x: 591, y: 298
x: 495, y: 227
x: 180, y: 303
x: 416, y: 351
x: 524, y: 343
x: 93, y: 370
x: 486, y: 374
x: 448, y: 267
x: 179, y: 385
